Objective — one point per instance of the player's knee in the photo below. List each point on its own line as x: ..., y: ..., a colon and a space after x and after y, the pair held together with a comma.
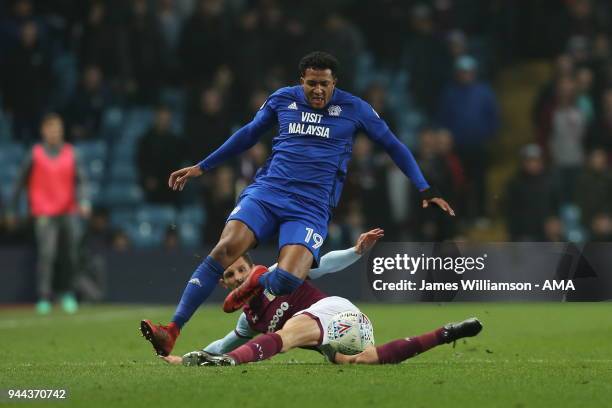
x: 226, y: 251
x: 288, y: 339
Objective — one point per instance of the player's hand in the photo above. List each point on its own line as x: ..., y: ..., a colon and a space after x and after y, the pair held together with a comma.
x: 179, y: 178
x: 367, y: 240
x: 174, y: 360
x: 440, y: 202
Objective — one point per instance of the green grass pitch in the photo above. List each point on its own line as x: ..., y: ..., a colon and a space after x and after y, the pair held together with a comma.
x: 528, y: 355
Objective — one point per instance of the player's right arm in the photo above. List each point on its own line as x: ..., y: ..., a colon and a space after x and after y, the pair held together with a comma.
x: 236, y: 338
x: 245, y: 138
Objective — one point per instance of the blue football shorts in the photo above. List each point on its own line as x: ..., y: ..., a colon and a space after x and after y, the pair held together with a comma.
x: 298, y: 220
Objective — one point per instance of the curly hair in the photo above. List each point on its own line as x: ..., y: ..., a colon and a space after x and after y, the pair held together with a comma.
x: 319, y: 60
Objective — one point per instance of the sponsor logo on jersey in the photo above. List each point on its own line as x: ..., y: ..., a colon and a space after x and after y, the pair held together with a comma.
x: 334, y: 110
x: 277, y: 316
x: 306, y: 129
x: 293, y: 106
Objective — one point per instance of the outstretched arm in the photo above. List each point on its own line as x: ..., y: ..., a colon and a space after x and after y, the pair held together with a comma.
x: 245, y: 138
x: 336, y: 261
x: 331, y: 262
x: 378, y: 131
x: 237, y: 337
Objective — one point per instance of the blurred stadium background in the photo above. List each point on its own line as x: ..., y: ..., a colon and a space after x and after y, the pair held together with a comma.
x: 507, y: 106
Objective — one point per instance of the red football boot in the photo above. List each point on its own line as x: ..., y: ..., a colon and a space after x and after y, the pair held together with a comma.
x: 161, y: 337
x: 245, y: 292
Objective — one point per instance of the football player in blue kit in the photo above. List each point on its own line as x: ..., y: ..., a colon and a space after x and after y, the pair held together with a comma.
x: 293, y: 194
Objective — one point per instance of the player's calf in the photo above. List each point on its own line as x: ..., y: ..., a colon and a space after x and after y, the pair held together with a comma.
x: 399, y: 350
x: 258, y: 349
x: 367, y: 356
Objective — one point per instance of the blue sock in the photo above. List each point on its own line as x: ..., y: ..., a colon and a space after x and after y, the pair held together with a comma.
x: 200, y: 286
x: 280, y: 282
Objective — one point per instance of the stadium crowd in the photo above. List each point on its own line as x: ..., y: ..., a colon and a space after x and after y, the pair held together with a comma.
x: 147, y: 86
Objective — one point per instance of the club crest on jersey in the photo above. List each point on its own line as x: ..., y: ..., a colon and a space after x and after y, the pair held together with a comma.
x: 334, y: 110
x: 292, y: 106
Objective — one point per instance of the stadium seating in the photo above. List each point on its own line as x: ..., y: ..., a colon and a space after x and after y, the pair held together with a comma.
x: 93, y: 159
x: 570, y: 216
x: 123, y: 171
x: 190, y: 235
x: 112, y: 122
x: 11, y: 153
x: 121, y: 217
x: 190, y: 222
x: 144, y: 234
x: 122, y: 195
x: 159, y: 215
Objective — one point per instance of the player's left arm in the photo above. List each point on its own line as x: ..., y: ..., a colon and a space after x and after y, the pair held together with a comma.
x: 336, y: 261
x: 379, y: 132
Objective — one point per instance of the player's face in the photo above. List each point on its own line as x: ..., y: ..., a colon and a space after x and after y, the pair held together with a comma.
x: 53, y: 131
x: 318, y: 86
x: 236, y: 273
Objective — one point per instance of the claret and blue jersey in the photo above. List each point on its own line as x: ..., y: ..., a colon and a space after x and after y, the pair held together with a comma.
x: 309, y: 160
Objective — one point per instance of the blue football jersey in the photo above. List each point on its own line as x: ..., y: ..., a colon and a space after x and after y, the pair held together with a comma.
x: 310, y: 155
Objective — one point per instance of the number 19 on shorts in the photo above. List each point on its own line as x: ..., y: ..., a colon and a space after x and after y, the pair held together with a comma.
x: 311, y: 235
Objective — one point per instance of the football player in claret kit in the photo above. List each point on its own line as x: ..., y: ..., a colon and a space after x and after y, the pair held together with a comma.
x: 302, y: 318
x: 293, y: 194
